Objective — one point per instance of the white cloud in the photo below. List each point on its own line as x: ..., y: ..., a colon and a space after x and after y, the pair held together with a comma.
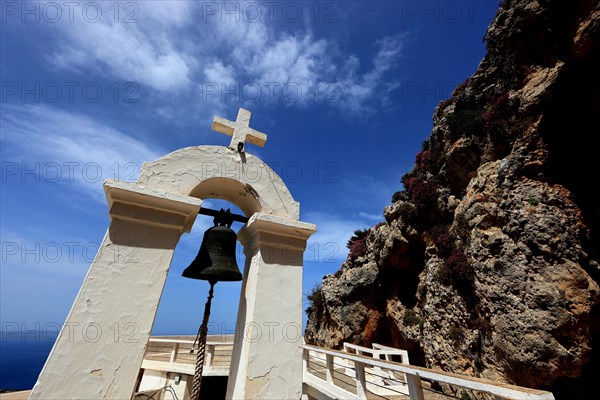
x: 370, y: 217
x: 290, y: 58
x: 357, y: 90
x: 219, y: 73
x: 328, y: 244
x: 167, y: 13
x: 135, y: 45
x: 82, y: 149
x: 367, y: 193
x: 304, y: 62
x: 245, y: 40
x: 173, y: 45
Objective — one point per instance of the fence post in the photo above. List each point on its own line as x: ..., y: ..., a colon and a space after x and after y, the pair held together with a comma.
x: 210, y: 350
x: 329, y: 368
x: 415, y: 391
x: 305, y: 356
x: 379, y: 373
x: 174, y: 351
x: 361, y: 383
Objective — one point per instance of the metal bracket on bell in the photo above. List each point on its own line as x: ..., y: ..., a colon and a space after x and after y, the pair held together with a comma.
x: 223, y: 218
x: 223, y: 215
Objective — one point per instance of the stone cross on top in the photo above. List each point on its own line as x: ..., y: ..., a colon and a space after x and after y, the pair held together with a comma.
x: 239, y: 130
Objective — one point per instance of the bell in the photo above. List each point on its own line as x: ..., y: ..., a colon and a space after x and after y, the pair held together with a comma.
x: 216, y: 259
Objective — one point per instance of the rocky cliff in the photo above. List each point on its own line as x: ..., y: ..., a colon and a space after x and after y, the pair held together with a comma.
x: 487, y: 263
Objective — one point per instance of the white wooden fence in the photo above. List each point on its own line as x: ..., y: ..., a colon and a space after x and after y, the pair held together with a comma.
x: 356, y: 373
x: 174, y: 355
x: 383, y: 382
x: 325, y: 371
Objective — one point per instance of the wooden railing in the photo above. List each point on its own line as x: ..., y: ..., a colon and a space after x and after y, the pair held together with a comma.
x: 325, y: 375
x: 379, y: 381
x: 379, y: 352
x: 174, y: 355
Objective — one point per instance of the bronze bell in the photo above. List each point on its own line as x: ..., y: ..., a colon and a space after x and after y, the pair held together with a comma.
x: 216, y: 259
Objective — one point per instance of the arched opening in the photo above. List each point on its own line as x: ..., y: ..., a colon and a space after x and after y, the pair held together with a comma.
x: 243, y: 196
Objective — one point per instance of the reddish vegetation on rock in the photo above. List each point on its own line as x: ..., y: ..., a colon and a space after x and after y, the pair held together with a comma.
x: 358, y: 248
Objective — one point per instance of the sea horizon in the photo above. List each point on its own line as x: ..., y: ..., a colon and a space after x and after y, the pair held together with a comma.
x: 23, y: 354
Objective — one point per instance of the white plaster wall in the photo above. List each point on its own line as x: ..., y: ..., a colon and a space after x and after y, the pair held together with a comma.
x: 267, y: 362
x: 274, y: 354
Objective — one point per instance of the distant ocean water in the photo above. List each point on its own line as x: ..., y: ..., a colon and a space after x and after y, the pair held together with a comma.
x: 22, y: 356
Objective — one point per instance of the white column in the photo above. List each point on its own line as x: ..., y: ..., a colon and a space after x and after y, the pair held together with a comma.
x: 101, y: 346
x: 267, y: 354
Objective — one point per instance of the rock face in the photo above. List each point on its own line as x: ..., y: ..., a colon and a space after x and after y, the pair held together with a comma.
x: 487, y: 264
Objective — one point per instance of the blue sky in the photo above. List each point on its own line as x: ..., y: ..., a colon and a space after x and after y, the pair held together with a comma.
x: 91, y: 90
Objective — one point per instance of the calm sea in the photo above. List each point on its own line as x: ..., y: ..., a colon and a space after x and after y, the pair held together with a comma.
x: 22, y: 356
